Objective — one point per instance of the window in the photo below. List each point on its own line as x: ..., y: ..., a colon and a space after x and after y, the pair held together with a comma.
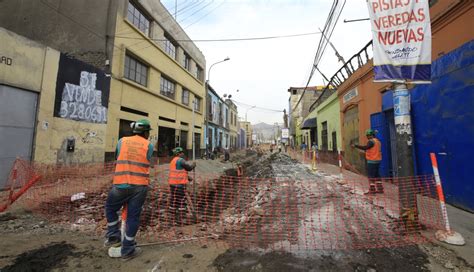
x: 226, y: 118
x: 199, y: 73
x: 167, y: 87
x: 135, y: 70
x: 197, y: 103
x: 187, y: 62
x: 170, y: 47
x: 138, y: 19
x: 185, y: 97
x: 324, y: 136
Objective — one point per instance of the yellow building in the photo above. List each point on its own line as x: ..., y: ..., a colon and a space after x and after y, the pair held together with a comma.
x: 233, y: 134
x: 157, y: 74
x: 247, y: 126
x: 155, y: 70
x: 41, y: 116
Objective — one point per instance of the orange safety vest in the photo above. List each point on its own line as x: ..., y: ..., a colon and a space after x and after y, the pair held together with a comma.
x: 177, y: 176
x: 374, y: 153
x: 133, y: 166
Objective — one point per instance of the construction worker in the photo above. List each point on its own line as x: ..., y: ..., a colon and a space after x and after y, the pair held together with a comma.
x: 373, y: 156
x: 177, y: 180
x: 129, y: 189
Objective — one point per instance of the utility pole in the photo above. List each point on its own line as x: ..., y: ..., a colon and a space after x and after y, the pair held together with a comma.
x: 404, y: 143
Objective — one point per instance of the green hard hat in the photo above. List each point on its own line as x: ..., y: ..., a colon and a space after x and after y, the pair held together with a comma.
x: 369, y: 132
x: 178, y: 150
x: 140, y: 126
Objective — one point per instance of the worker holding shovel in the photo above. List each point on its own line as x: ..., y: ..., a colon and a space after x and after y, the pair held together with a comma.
x: 177, y: 180
x: 129, y: 189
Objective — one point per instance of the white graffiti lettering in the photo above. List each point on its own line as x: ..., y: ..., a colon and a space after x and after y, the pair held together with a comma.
x: 83, y: 102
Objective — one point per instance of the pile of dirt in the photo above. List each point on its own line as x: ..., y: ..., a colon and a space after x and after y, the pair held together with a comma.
x: 397, y: 259
x: 42, y: 259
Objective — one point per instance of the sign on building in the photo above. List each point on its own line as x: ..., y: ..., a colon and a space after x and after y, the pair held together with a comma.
x: 285, y: 133
x: 349, y: 95
x: 401, y: 40
x: 82, y: 92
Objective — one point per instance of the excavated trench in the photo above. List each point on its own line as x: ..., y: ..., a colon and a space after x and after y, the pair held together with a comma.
x: 305, y: 216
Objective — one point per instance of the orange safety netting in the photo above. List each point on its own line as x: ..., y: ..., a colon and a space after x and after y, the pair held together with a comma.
x: 324, y: 212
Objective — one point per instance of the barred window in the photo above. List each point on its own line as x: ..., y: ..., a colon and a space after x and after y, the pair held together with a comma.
x: 185, y: 97
x: 135, y: 70
x: 199, y: 73
x: 167, y: 87
x: 197, y: 103
x: 138, y: 19
x: 170, y: 47
x: 187, y: 62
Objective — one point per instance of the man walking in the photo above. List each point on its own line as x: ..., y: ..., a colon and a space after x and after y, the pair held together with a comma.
x: 177, y: 180
x: 129, y: 189
x: 373, y: 156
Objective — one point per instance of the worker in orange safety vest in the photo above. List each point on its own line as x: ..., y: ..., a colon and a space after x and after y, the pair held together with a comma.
x: 373, y: 156
x: 130, y: 187
x: 177, y: 180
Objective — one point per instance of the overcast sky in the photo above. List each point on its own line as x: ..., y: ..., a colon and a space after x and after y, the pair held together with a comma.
x: 263, y: 70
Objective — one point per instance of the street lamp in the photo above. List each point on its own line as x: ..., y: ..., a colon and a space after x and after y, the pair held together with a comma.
x: 209, y: 71
x: 248, y: 111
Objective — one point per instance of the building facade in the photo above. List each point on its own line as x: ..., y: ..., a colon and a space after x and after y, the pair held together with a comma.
x: 233, y: 127
x: 300, y: 102
x: 247, y: 127
x: 62, y: 117
x: 155, y: 72
x: 441, y: 112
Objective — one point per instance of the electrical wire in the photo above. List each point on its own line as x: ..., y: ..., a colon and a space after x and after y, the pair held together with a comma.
x: 218, y: 6
x: 323, y: 42
x: 227, y: 39
x: 197, y: 11
x: 254, y: 107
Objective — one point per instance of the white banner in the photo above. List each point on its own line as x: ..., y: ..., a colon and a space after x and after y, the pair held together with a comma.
x: 285, y: 133
x: 401, y: 32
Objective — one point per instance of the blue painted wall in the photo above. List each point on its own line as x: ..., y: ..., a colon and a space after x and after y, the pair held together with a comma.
x: 443, y: 122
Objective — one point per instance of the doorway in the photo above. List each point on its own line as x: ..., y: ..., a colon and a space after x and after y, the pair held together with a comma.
x: 166, y: 141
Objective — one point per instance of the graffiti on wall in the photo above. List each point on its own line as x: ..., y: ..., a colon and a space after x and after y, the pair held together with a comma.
x: 82, y: 92
x: 6, y: 60
x: 90, y: 137
x: 404, y: 129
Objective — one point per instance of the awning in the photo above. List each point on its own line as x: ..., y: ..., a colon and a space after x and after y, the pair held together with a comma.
x: 309, y: 123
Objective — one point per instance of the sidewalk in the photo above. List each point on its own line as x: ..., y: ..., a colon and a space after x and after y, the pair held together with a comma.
x: 460, y: 220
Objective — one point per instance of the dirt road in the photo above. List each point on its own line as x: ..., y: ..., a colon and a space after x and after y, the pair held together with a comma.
x: 289, y: 241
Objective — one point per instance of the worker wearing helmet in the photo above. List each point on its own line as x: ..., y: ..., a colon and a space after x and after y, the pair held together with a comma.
x: 129, y: 189
x: 373, y: 156
x: 177, y: 180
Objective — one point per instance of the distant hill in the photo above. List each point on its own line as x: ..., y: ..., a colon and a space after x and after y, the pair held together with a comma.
x: 266, y: 131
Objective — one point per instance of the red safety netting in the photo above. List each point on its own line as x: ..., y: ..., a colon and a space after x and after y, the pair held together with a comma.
x: 324, y: 212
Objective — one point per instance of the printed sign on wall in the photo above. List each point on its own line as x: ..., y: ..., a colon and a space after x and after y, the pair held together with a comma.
x: 82, y: 92
x: 401, y: 33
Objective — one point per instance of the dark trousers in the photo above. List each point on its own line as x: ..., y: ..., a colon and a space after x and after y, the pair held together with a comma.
x: 134, y: 197
x: 178, y: 197
x: 373, y: 172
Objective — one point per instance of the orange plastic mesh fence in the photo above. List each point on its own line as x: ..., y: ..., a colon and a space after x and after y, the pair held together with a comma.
x: 327, y: 212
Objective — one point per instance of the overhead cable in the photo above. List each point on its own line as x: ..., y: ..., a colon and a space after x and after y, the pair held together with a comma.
x: 227, y: 39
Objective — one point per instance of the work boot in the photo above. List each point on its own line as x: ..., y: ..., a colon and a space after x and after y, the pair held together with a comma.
x: 379, y: 187
x: 112, y: 242
x: 132, y: 255
x: 372, y: 190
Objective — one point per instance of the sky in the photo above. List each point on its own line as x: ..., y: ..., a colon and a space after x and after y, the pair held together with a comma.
x: 263, y: 70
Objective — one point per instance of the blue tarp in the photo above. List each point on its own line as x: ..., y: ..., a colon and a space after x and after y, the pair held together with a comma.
x: 443, y: 123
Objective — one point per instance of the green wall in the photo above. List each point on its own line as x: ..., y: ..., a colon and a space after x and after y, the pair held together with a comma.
x: 329, y: 111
